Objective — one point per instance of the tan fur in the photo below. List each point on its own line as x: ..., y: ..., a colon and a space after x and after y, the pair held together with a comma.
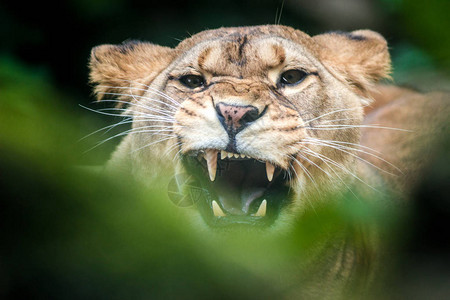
x: 242, y: 66
x: 128, y: 65
x: 424, y: 116
x: 360, y: 62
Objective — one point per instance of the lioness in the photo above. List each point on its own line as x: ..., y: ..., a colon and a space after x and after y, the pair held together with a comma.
x: 267, y: 121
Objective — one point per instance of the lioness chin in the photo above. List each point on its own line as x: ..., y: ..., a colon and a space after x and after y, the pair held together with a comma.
x: 267, y: 122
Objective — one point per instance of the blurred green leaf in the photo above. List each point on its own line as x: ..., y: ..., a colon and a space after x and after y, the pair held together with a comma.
x: 72, y: 233
x: 427, y: 25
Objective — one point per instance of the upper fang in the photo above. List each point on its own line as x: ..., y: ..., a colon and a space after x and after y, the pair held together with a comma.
x: 270, y: 169
x: 211, y: 161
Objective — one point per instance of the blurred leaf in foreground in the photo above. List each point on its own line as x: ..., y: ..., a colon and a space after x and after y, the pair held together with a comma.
x: 68, y: 233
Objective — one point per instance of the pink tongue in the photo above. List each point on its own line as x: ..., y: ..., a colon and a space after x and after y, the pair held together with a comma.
x: 236, y: 199
x: 249, y: 195
x: 237, y: 204
x: 239, y: 184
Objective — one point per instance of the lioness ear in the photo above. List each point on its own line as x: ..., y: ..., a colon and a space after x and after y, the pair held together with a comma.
x: 126, y: 69
x: 360, y: 58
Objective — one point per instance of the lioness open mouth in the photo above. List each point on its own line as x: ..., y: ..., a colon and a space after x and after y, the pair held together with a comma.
x: 236, y: 188
x: 264, y: 118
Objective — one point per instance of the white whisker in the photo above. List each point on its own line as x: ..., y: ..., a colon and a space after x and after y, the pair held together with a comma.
x: 305, y: 170
x: 178, y: 152
x: 340, y: 167
x: 130, y: 131
x: 346, y: 126
x: 308, y: 174
x: 135, y: 97
x: 143, y: 117
x: 329, y: 113
x: 145, y: 107
x: 146, y: 89
x: 171, y: 148
x: 340, y: 148
x: 139, y: 103
x: 147, y: 116
x: 336, y: 120
x: 107, y: 128
x: 312, y: 153
x: 103, y: 113
x: 348, y: 143
x: 152, y: 143
x: 313, y: 163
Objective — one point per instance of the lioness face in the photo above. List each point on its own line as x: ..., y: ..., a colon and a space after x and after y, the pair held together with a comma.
x: 252, y: 115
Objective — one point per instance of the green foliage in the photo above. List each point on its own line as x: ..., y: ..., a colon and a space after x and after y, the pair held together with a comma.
x: 71, y: 233
x: 427, y: 24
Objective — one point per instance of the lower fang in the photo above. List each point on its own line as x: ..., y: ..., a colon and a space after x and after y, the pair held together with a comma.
x: 262, y: 209
x: 218, y: 212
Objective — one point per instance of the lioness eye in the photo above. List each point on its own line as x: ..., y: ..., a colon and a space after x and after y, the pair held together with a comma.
x: 192, y: 81
x: 292, y: 77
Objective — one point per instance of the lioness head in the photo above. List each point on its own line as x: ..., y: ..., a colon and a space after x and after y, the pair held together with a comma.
x: 261, y: 120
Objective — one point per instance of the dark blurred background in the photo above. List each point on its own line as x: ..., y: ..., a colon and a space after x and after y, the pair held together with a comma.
x: 55, y: 38
x: 52, y: 40
x: 44, y: 49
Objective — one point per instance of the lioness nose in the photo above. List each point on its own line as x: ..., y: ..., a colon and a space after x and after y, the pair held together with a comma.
x: 236, y: 117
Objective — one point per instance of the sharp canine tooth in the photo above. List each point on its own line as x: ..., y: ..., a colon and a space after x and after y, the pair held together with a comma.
x: 211, y: 161
x: 261, y: 210
x: 218, y: 212
x: 269, y: 170
x: 223, y: 154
